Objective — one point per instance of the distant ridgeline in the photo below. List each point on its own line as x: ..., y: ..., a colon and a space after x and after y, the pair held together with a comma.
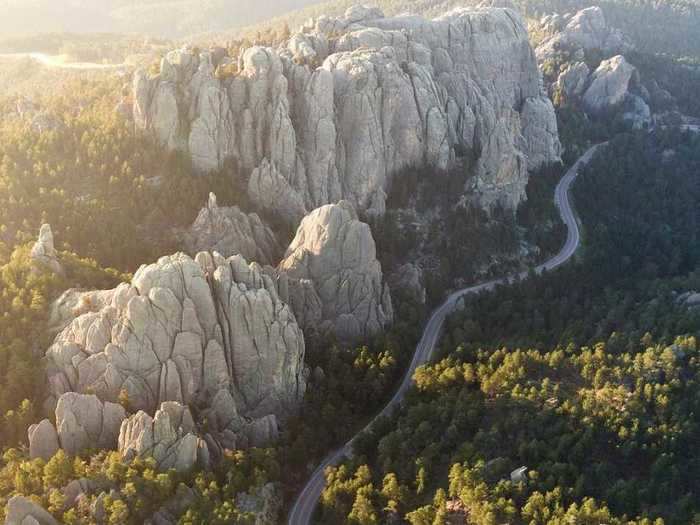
x: 656, y: 27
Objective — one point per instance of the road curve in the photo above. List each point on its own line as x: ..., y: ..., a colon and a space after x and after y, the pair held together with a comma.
x: 303, y: 509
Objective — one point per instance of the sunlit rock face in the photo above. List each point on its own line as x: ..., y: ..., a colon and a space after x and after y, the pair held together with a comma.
x: 340, y: 109
x: 585, y: 30
x: 332, y: 278
x: 83, y: 423
x: 610, y: 84
x: 211, y: 333
x: 229, y: 231
x: 44, y: 255
x: 170, y: 438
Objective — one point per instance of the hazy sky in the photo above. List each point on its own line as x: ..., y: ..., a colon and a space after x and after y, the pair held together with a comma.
x: 165, y: 18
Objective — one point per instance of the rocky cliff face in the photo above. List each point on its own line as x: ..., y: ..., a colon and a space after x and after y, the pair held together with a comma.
x: 610, y: 84
x: 210, y: 332
x: 229, y: 231
x: 83, y: 422
x: 584, y: 30
x: 332, y: 277
x: 338, y: 111
x: 615, y: 85
x: 170, y: 438
x: 23, y: 511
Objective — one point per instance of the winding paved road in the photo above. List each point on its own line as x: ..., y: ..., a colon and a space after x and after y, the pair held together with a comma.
x: 303, y: 508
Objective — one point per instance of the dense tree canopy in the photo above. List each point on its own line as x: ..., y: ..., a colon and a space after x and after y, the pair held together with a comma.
x: 587, y: 377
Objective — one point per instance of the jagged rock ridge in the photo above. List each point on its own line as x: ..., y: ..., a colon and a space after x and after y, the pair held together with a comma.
x: 347, y: 103
x: 210, y: 332
x: 229, y: 231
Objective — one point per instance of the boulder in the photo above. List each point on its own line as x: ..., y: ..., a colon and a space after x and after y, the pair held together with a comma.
x: 73, y: 303
x: 572, y: 80
x: 84, y: 422
x: 75, y: 490
x: 43, y: 440
x: 169, y: 438
x: 360, y: 13
x: 519, y: 475
x: 335, y: 253
x: 22, y: 511
x: 610, y: 85
x: 229, y: 231
x: 691, y: 299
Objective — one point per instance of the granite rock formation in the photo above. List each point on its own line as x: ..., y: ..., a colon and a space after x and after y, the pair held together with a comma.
x: 573, y: 80
x: 229, y: 231
x: 83, y: 422
x: 211, y: 332
x: 43, y: 440
x: 73, y: 303
x: 169, y: 437
x: 43, y: 253
x: 340, y: 109
x: 610, y: 84
x: 585, y: 30
x: 613, y: 86
x: 22, y: 511
x: 334, y: 256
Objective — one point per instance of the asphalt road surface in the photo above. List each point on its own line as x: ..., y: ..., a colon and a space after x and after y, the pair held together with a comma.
x: 304, y: 507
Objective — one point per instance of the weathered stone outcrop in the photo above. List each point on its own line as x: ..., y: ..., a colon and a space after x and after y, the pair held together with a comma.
x: 169, y: 437
x: 339, y: 110
x: 585, y: 30
x: 43, y: 253
x: 73, y: 303
x: 572, y: 80
x: 22, y: 511
x: 610, y: 85
x: 614, y: 85
x: 43, y: 440
x: 229, y: 231
x: 83, y: 422
x: 190, y: 331
x: 334, y: 253
x: 636, y: 112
